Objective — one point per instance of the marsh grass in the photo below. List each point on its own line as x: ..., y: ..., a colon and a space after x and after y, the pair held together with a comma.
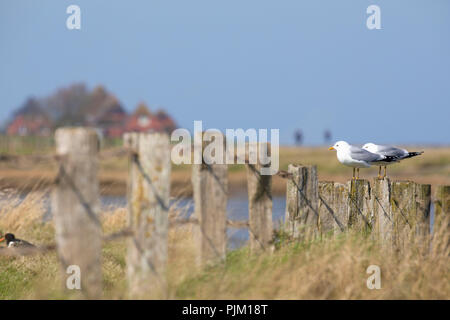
x: 326, y: 268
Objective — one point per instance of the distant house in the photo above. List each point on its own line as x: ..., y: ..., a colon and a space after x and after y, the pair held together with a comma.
x: 113, y: 122
x: 104, y: 111
x: 31, y: 119
x: 166, y: 121
x: 142, y: 120
x: 77, y: 106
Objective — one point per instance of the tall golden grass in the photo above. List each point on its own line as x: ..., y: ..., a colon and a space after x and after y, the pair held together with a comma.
x: 326, y: 268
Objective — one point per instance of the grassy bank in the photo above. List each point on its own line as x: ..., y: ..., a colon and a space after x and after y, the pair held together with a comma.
x: 324, y: 269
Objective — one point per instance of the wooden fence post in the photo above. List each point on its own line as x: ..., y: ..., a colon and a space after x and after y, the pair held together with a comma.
x: 148, y: 209
x: 403, y: 211
x: 75, y: 206
x: 302, y: 201
x: 441, y: 206
x: 423, y: 201
x: 333, y: 211
x: 210, y: 188
x: 259, y: 204
x: 383, y: 220
x: 441, y: 224
x: 359, y: 206
x: 410, y: 204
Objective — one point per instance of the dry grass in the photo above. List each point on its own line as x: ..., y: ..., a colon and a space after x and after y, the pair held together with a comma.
x: 324, y: 269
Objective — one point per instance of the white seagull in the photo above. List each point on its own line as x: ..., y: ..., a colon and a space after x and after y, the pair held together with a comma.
x: 390, y: 151
x: 356, y: 157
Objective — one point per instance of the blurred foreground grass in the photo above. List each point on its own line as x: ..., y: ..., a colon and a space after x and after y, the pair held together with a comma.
x: 324, y: 269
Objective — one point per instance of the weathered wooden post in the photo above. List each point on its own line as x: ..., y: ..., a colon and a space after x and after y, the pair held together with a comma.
x: 410, y: 204
x: 383, y: 220
x: 423, y: 201
x: 359, y: 206
x: 302, y: 201
x: 148, y: 209
x: 333, y: 211
x: 441, y: 225
x: 75, y: 207
x: 403, y: 211
x: 441, y: 205
x: 210, y: 188
x: 259, y: 202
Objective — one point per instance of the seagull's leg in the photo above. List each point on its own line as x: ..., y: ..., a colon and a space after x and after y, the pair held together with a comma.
x: 353, y: 178
x: 379, y: 172
x: 384, y: 172
x: 357, y: 170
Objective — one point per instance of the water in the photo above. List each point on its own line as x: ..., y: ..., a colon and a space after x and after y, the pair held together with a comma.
x: 237, y: 209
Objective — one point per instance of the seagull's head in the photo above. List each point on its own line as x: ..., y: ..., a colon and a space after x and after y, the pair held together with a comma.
x: 339, y: 146
x: 371, y: 147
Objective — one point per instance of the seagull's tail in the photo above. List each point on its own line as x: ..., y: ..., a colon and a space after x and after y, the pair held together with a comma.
x: 413, y: 154
x: 388, y: 159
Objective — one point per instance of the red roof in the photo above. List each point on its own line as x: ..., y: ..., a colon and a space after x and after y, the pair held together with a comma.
x: 114, y: 122
x: 23, y: 125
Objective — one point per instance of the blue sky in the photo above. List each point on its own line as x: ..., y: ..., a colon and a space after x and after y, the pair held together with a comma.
x: 283, y: 64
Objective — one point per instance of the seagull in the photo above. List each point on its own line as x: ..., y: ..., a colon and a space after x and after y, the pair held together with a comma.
x: 398, y: 153
x: 356, y: 157
x: 12, y: 241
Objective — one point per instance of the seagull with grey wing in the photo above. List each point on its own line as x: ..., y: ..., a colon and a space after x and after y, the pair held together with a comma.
x: 357, y: 158
x: 391, y: 151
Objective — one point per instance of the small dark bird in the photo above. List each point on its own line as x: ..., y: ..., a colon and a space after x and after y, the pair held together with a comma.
x: 11, y: 241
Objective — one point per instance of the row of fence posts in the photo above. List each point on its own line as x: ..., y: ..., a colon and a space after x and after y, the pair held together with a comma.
x: 387, y: 210
x: 382, y: 208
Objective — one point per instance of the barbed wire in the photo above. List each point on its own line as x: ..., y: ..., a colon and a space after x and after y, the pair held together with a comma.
x: 108, y: 154
x: 125, y: 151
x: 330, y: 210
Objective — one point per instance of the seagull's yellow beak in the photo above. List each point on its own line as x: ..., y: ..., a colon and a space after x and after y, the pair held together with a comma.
x: 331, y: 148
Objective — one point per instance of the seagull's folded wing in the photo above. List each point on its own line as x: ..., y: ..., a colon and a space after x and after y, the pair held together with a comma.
x: 392, y: 151
x: 364, y: 155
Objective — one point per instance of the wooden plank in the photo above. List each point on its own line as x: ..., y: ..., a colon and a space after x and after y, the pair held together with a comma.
x: 325, y: 207
x: 76, y: 205
x: 340, y: 205
x: 302, y: 202
x: 403, y: 211
x: 333, y: 211
x: 441, y: 225
x: 210, y: 188
x: 410, y: 204
x: 131, y: 144
x: 441, y: 205
x: 259, y: 189
x: 423, y: 206
x: 148, y: 198
x: 382, y: 220
x: 359, y: 205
